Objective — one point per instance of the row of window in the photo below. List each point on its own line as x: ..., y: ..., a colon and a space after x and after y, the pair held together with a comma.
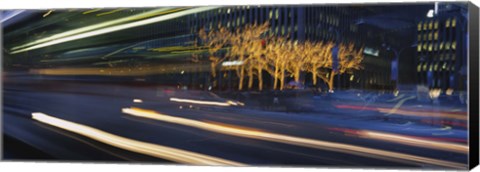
x: 437, y: 46
x: 433, y: 25
x: 438, y: 66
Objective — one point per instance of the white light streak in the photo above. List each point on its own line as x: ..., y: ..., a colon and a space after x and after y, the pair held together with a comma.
x: 116, y: 28
x: 159, y: 151
x: 292, y: 140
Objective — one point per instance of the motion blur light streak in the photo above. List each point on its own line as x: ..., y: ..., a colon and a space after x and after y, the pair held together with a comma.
x: 228, y: 103
x: 415, y: 142
x: 91, y: 27
x: 137, y: 100
x: 406, y: 140
x: 292, y: 140
x: 154, y: 150
x: 117, y: 28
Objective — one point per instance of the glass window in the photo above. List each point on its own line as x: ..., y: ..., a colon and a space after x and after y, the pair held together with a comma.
x: 419, y: 47
x: 454, y: 45
x: 419, y: 26
x: 430, y: 47
x: 430, y: 35
x: 435, y: 35
x: 419, y: 67
x: 277, y: 14
x: 441, y: 45
x: 454, y: 22
x: 447, y: 23
x: 447, y: 46
x: 435, y: 26
x: 430, y: 25
x: 425, y: 46
x: 435, y: 68
x: 425, y: 67
x: 425, y: 26
x: 270, y: 15
x: 419, y: 37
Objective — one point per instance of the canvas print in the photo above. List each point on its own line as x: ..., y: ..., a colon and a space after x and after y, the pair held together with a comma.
x: 352, y: 85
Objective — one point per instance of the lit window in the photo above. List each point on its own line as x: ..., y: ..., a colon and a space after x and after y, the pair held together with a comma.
x: 270, y: 15
x: 435, y: 47
x: 419, y: 68
x: 228, y: 11
x: 435, y: 68
x: 454, y: 22
x: 430, y: 25
x: 454, y: 45
x: 419, y: 47
x: 425, y: 46
x: 425, y: 26
x: 430, y: 36
x: 419, y: 26
x: 435, y: 35
x: 441, y: 45
x: 447, y: 23
x: 276, y: 14
x: 430, y: 47
x: 425, y: 67
x: 430, y: 68
x: 425, y: 36
x: 419, y: 37
x: 444, y: 66
x: 447, y: 46
x: 435, y: 26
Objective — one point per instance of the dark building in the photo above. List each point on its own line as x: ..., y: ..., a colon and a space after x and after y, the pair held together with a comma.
x: 314, y: 23
x: 441, y: 51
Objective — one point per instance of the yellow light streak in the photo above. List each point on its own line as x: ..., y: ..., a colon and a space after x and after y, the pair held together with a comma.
x: 110, y: 12
x: 173, y: 99
x: 48, y: 13
x: 423, y: 114
x: 292, y: 140
x: 168, y: 153
x: 94, y: 30
x: 400, y: 103
x: 92, y: 11
x: 396, y: 138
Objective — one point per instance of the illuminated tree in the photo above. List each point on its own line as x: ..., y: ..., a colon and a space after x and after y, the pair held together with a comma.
x: 278, y: 56
x: 214, y: 41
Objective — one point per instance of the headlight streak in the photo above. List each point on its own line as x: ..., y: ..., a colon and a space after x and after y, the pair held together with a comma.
x: 168, y: 153
x: 292, y: 140
x: 227, y: 103
x: 90, y: 28
x: 405, y: 140
x: 72, y: 37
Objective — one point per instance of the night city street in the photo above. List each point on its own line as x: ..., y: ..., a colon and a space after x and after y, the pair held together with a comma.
x: 269, y: 86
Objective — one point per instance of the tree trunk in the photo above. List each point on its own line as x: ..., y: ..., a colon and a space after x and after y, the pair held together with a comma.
x: 297, y: 74
x: 330, y: 81
x: 240, y: 82
x: 275, y: 77
x: 314, y: 76
x: 260, y: 79
x: 250, y: 77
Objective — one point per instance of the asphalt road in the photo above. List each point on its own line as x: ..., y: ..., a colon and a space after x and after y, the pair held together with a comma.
x: 100, y: 106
